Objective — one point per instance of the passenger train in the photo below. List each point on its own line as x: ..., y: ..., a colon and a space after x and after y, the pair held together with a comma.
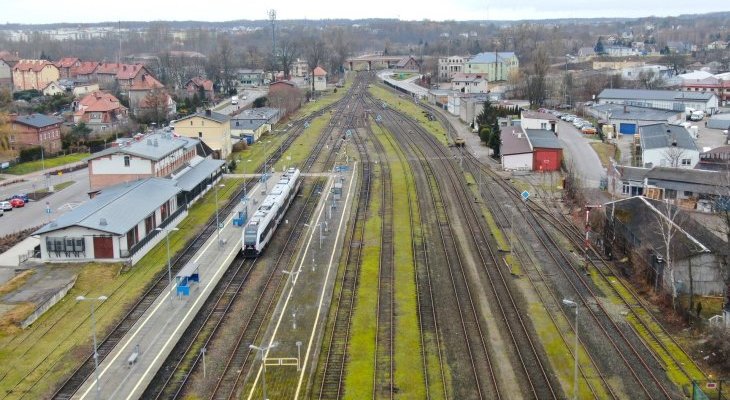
x: 266, y: 219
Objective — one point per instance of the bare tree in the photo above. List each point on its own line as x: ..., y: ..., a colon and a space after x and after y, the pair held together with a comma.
x: 666, y: 217
x: 674, y: 155
x: 288, y: 52
x: 221, y: 65
x: 536, y: 86
x: 650, y: 80
x: 315, y: 51
x: 341, y: 48
x: 154, y: 107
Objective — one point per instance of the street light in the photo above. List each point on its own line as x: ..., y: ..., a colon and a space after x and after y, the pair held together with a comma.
x: 93, y: 334
x: 244, y: 177
x: 167, y: 239
x: 572, y: 304
x: 320, y: 232
x: 266, y: 167
x: 263, y: 361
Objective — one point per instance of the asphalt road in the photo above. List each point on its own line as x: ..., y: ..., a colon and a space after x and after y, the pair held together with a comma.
x: 577, y: 150
x: 251, y: 94
x: 34, y: 213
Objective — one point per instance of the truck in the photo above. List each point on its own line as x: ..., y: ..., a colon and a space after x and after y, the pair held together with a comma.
x: 234, y: 100
x: 697, y: 116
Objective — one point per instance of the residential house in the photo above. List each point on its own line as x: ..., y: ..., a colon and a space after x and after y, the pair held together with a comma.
x: 717, y: 45
x: 701, y: 81
x: 66, y: 65
x: 130, y: 74
x: 320, y: 79
x: 530, y: 149
x: 619, y: 51
x: 148, y: 85
x: 586, y: 52
x: 155, y: 155
x: 85, y: 72
x: 7, y: 62
x: 34, y: 74
x: 106, y: 75
x: 496, y: 66
x: 449, y: 66
x: 469, y: 83
x: 656, y: 72
x: 251, y: 123
x: 666, y: 145
x: 200, y: 86
x: 662, y: 99
x: 81, y: 89
x: 212, y: 128
x: 285, y: 96
x: 156, y: 106
x: 52, y: 89
x: 101, y: 112
x: 35, y: 130
x: 251, y: 77
x: 538, y: 120
x: 635, y: 225
x: 408, y: 63
x: 679, y: 47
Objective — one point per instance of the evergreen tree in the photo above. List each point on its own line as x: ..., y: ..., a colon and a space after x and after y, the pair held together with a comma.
x: 599, y: 49
x: 485, y: 133
x: 495, y: 139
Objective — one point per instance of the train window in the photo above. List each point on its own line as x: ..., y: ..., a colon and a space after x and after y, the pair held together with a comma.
x: 249, y: 236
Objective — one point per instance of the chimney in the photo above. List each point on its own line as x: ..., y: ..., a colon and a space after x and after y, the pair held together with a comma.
x: 102, y: 222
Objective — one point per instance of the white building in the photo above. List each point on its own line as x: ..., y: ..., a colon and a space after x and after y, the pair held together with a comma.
x: 449, y: 66
x: 666, y: 145
x: 662, y: 99
x: 538, y: 120
x: 118, y: 225
x: 516, y: 151
x: 320, y: 79
x: 619, y: 51
x: 469, y: 83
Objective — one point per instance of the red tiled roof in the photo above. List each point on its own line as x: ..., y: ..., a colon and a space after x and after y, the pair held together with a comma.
x: 8, y: 56
x: 86, y: 68
x: 199, y: 81
x: 129, y: 71
x: 66, y: 62
x: 319, y: 71
x: 99, y: 102
x: 32, y: 65
x: 148, y: 83
x: 108, y: 68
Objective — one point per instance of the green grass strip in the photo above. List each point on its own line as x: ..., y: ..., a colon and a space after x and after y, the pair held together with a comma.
x: 33, y: 166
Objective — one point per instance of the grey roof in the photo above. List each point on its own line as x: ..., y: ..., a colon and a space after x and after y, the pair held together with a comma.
x: 198, y: 173
x: 211, y: 115
x: 544, y: 139
x: 152, y: 147
x: 37, y: 120
x: 246, y: 124
x: 696, y: 176
x: 265, y: 113
x: 489, y: 57
x: 659, y: 136
x: 719, y: 121
x: 639, y: 215
x: 642, y: 94
x: 514, y: 141
x: 117, y: 208
x: 633, y: 173
x: 538, y: 115
x: 618, y: 111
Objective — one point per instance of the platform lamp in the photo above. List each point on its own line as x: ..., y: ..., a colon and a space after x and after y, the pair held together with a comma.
x: 93, y: 301
x: 169, y: 266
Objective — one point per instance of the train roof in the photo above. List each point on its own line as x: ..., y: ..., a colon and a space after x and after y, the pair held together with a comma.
x: 273, y: 196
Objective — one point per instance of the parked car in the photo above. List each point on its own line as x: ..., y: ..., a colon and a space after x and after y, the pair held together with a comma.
x: 588, y: 130
x: 17, y: 203
x: 21, y: 196
x: 6, y: 206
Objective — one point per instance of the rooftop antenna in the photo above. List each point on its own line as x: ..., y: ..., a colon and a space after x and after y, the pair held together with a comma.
x: 119, y: 34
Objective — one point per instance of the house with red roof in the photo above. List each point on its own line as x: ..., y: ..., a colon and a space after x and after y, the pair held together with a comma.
x: 35, y: 130
x: 146, y: 86
x: 100, y: 111
x: 199, y: 85
x: 34, y: 74
x: 85, y: 71
x: 129, y: 74
x: 66, y: 65
x: 320, y: 79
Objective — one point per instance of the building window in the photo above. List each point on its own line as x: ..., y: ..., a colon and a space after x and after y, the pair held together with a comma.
x: 149, y: 223
x: 126, y: 161
x: 687, y: 193
x: 191, y: 123
x: 200, y: 135
x: 686, y: 162
x: 625, y: 188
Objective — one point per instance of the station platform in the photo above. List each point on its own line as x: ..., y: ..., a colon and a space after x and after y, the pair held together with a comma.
x: 298, y: 322
x: 124, y: 375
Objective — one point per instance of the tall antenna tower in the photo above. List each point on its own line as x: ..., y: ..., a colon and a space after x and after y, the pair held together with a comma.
x: 272, y: 18
x: 119, y: 34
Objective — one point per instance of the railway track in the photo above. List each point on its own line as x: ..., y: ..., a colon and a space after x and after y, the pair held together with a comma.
x: 532, y: 369
x: 71, y: 385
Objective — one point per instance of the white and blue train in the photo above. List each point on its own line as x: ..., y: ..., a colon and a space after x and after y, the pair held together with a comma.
x: 263, y: 223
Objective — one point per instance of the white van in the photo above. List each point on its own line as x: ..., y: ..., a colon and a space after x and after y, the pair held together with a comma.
x: 234, y: 100
x: 697, y: 115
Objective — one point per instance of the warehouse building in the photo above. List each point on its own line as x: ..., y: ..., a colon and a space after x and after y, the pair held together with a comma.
x: 661, y: 99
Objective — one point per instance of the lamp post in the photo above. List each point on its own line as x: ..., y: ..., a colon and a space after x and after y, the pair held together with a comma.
x: 320, y: 233
x: 263, y: 350
x: 244, y: 177
x: 169, y: 267
x: 93, y: 334
x: 266, y: 167
x: 572, y: 304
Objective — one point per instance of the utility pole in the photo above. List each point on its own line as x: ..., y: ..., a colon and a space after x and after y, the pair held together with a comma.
x: 586, y: 243
x: 272, y: 18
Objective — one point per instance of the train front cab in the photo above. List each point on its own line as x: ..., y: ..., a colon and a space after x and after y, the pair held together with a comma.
x: 249, y: 242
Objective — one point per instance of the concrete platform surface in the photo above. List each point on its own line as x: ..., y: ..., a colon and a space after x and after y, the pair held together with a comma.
x: 159, y: 329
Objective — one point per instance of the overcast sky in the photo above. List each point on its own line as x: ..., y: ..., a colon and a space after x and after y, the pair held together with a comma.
x: 49, y: 11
